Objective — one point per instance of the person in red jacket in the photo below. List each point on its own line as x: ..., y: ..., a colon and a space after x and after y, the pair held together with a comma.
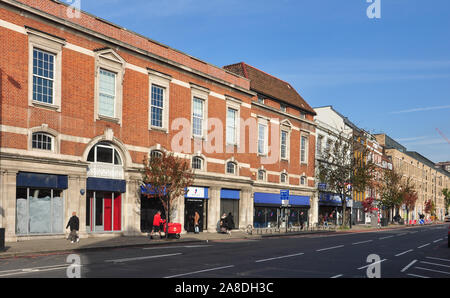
x: 156, y: 225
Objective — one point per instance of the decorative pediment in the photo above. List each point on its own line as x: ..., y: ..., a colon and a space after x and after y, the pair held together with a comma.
x: 287, y: 123
x: 109, y: 55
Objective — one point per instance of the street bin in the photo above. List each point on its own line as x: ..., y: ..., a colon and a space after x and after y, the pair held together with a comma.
x: 384, y: 222
x: 2, y: 239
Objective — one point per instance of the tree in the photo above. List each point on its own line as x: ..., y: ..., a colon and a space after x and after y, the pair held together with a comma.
x: 391, y: 192
x: 344, y: 166
x: 446, y: 193
x: 166, y: 177
x: 368, y: 205
x: 430, y: 208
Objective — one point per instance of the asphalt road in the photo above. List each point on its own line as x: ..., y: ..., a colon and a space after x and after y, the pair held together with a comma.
x: 419, y: 252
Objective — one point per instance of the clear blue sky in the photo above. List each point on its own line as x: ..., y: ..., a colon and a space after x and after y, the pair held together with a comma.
x: 388, y: 75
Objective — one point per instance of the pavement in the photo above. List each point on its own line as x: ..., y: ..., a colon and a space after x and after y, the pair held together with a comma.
x: 39, y: 247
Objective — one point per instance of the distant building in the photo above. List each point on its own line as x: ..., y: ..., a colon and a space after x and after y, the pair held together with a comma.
x: 444, y: 166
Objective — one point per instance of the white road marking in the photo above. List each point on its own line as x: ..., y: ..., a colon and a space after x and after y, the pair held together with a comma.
x: 33, y: 270
x: 438, y: 240
x: 362, y: 242
x: 281, y: 257
x: 433, y: 258
x: 337, y: 276
x: 402, y: 253
x: 424, y: 245
x: 339, y: 246
x: 141, y: 258
x: 385, y: 237
x: 420, y: 276
x: 409, y: 265
x: 402, y: 234
x: 195, y: 272
x: 372, y: 264
x: 184, y: 246
x: 437, y: 271
x: 447, y: 266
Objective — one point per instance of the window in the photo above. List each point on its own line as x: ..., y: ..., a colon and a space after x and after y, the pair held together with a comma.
x: 156, y: 154
x: 302, y: 115
x: 260, y: 99
x: 261, y: 175
x: 108, y: 97
x: 319, y: 145
x: 107, y: 93
x: 284, y: 144
x: 303, y: 149
x: 42, y: 141
x: 197, y: 117
x: 197, y: 163
x: 232, y: 115
x: 283, y: 108
x: 231, y: 168
x: 157, y: 106
x: 43, y: 76
x: 303, y: 180
x: 283, y: 178
x: 262, y: 139
x: 104, y: 153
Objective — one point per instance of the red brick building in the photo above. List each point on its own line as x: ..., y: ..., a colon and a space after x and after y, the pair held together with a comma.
x: 83, y: 101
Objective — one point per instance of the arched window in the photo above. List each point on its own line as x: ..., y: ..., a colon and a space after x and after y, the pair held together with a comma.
x: 197, y: 163
x: 261, y: 175
x: 42, y: 141
x: 303, y: 180
x: 104, y: 153
x: 156, y: 154
x: 231, y: 168
x: 284, y: 178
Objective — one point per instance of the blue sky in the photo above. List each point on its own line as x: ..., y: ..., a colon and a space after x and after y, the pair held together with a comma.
x: 389, y: 75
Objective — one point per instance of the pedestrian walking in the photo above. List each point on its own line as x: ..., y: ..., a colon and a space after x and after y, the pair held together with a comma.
x: 302, y: 220
x: 223, y: 224
x: 230, y: 222
x: 74, y: 224
x: 196, y: 222
x: 156, y: 225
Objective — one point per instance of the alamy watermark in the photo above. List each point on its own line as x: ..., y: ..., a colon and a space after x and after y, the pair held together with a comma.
x: 74, y: 9
x: 374, y: 9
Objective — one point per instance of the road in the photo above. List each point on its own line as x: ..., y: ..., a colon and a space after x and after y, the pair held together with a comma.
x: 419, y: 252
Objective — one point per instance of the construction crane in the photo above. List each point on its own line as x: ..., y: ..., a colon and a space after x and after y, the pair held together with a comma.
x: 442, y: 134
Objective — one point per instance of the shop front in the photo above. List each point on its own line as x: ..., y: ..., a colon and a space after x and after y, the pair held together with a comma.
x: 229, y: 204
x: 269, y: 212
x: 40, y: 203
x: 196, y: 200
x: 104, y: 205
x: 330, y: 208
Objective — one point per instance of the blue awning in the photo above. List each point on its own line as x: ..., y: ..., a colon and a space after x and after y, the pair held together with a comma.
x: 100, y: 184
x: 275, y: 199
x: 329, y: 199
x: 147, y: 190
x: 230, y: 194
x: 39, y: 180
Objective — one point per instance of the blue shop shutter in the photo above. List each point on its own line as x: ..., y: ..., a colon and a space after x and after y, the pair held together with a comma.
x: 39, y: 180
x: 100, y: 184
x: 275, y: 199
x: 230, y: 194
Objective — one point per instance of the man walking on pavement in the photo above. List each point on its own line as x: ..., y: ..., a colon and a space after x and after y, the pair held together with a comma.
x: 156, y: 225
x: 74, y: 224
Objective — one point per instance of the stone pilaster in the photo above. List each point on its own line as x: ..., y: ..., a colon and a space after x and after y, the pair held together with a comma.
x: 213, y: 208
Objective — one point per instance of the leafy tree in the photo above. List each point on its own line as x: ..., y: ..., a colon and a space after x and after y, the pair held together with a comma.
x: 391, y: 192
x: 430, y: 208
x: 344, y: 166
x: 446, y: 193
x: 166, y: 177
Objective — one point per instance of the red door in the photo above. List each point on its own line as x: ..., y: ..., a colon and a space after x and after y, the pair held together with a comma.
x: 107, y: 200
x: 117, y: 212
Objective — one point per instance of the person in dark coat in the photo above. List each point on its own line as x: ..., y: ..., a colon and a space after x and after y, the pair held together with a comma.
x: 74, y: 224
x: 302, y: 220
x: 230, y: 222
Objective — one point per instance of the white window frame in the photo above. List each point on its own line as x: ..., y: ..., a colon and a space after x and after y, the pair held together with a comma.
x: 234, y: 104
x: 200, y: 93
x: 265, y: 123
x: 264, y: 175
x: 44, y: 129
x: 284, y: 174
x: 109, y: 60
x: 306, y: 136
x: 52, y: 45
x: 236, y: 167
x: 162, y: 81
